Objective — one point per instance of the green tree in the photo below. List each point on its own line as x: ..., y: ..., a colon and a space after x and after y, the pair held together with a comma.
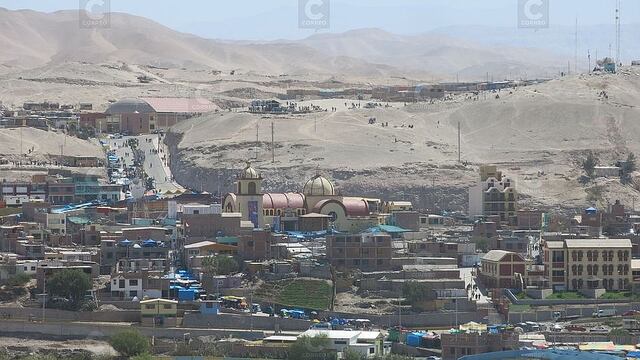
x: 316, y: 347
x: 220, y: 265
x: 350, y: 354
x: 589, y: 164
x: 130, y: 343
x: 628, y: 167
x: 416, y: 292
x: 71, y: 284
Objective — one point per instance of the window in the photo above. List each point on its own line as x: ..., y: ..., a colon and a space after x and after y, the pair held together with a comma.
x: 149, y: 306
x: 133, y: 282
x: 372, y: 350
x: 133, y: 293
x: 252, y: 188
x: 166, y: 306
x: 340, y: 342
x: 121, y: 283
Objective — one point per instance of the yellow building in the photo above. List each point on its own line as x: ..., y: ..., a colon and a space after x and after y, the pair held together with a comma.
x: 576, y: 264
x: 159, y: 312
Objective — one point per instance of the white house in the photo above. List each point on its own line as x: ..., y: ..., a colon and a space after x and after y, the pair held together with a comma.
x: 127, y: 285
x: 370, y: 344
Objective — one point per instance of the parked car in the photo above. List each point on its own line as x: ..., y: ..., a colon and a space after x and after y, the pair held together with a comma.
x: 599, y: 330
x: 576, y: 328
x: 631, y: 313
x: 604, y: 313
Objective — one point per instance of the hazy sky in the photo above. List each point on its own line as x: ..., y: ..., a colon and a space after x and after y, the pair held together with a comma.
x: 277, y: 19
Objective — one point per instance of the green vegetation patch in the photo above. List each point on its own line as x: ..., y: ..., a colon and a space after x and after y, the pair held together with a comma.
x: 306, y: 293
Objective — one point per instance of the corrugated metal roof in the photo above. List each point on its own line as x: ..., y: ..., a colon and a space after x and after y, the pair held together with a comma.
x: 180, y: 105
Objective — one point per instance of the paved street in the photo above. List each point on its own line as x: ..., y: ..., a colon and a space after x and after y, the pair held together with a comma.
x: 156, y: 163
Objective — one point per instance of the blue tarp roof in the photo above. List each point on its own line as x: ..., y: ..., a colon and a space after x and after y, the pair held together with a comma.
x: 388, y: 229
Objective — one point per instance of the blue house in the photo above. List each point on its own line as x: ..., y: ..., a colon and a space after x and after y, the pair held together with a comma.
x: 209, y: 307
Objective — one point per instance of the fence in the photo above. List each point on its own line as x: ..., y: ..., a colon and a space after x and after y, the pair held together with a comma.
x: 29, y: 313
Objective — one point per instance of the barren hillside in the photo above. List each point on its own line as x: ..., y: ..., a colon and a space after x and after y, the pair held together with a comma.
x: 538, y: 134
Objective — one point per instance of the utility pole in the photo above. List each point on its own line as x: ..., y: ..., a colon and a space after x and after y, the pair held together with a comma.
x: 273, y: 146
x: 44, y: 294
x: 589, y: 57
x: 257, y: 142
x: 458, y: 141
x: 575, y: 58
x: 618, y: 60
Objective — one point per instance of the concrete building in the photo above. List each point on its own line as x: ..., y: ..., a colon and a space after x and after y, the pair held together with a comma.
x: 369, y: 344
x: 493, y: 194
x: 366, y: 251
x: 457, y: 345
x: 159, y: 312
x: 145, y: 115
x: 577, y: 264
x: 498, y: 268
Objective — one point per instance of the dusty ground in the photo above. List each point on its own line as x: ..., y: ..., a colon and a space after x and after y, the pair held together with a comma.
x: 25, y: 346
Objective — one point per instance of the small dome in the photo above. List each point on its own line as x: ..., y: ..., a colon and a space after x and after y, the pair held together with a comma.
x: 249, y: 173
x: 319, y: 186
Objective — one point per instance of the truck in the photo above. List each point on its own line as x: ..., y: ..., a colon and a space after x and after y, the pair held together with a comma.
x: 604, y: 313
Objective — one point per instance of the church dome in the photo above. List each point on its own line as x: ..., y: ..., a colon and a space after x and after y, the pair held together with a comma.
x: 249, y: 173
x: 319, y: 186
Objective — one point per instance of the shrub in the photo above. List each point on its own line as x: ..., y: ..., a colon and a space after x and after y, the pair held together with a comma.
x: 130, y: 343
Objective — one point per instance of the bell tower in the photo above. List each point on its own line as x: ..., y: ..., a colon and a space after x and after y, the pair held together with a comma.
x: 249, y: 196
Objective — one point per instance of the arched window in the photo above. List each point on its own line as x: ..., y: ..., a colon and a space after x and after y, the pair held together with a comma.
x: 589, y: 256
x: 239, y: 187
x: 626, y: 284
x: 574, y: 269
x: 611, y: 270
x: 626, y: 270
x: 605, y: 284
x: 595, y: 269
x: 589, y: 272
x: 595, y: 255
x: 620, y: 284
x: 574, y: 284
x: 626, y: 255
x: 619, y: 269
x: 574, y: 255
x: 610, y: 284
x: 579, y: 269
x: 252, y: 188
x: 619, y: 255
x: 610, y: 255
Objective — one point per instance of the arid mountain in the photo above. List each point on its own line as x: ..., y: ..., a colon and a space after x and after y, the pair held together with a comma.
x: 438, y: 54
x: 32, y: 39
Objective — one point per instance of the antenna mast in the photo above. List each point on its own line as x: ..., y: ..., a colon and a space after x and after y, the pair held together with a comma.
x: 575, y: 59
x: 618, y: 32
